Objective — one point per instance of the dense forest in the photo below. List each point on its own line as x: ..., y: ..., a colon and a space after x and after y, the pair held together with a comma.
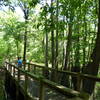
x: 61, y: 34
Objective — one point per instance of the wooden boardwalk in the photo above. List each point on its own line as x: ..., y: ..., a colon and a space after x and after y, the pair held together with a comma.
x: 39, y: 88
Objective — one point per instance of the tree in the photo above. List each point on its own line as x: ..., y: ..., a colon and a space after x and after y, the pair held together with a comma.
x: 25, y: 6
x: 12, y: 28
x: 93, y: 66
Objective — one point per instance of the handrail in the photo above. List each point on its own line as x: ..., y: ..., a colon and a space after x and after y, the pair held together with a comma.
x: 45, y: 82
x: 75, y: 74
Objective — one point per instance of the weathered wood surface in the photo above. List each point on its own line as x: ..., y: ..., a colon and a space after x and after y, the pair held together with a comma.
x: 2, y: 89
x: 38, y: 86
x: 83, y: 76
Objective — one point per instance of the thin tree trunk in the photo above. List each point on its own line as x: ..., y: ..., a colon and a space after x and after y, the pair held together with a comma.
x: 56, y: 60
x: 46, y: 72
x: 76, y: 67
x: 77, y: 53
x: 26, y: 15
x: 65, y: 77
x: 25, y: 42
x: 68, y: 46
x: 52, y: 43
x: 84, y: 40
x: 46, y: 55
x: 52, y: 37
x: 63, y: 53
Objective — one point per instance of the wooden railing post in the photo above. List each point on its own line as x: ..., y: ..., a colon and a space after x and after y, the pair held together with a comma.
x: 18, y: 75
x: 24, y: 65
x: 41, y: 92
x: 26, y: 86
x: 17, y: 86
x: 14, y: 72
x: 26, y: 82
x: 29, y: 67
x: 11, y: 70
x: 78, y: 82
x: 34, y: 70
x: 7, y: 66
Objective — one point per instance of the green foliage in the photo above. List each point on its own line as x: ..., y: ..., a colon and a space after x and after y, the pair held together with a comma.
x: 32, y: 3
x: 3, y: 50
x: 79, y: 13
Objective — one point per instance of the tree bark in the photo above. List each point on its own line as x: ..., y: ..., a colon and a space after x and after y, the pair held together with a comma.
x: 26, y: 15
x: 52, y: 42
x: 93, y: 65
x: 56, y: 60
x: 46, y: 72
x: 68, y: 46
x: 25, y: 42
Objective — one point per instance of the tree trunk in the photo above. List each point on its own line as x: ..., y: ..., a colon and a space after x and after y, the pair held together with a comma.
x: 65, y: 77
x: 56, y: 60
x: 46, y: 72
x: 52, y: 43
x: 52, y: 37
x: 93, y: 65
x: 25, y: 42
x: 84, y: 42
x: 77, y: 52
x: 26, y: 15
x: 68, y: 46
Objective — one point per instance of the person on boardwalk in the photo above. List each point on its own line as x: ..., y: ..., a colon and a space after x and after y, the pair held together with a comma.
x: 19, y: 62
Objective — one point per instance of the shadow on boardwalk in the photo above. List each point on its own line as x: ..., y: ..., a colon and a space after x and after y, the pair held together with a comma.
x: 33, y: 89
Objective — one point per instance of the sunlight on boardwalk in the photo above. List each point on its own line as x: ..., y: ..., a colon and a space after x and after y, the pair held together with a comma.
x: 33, y: 90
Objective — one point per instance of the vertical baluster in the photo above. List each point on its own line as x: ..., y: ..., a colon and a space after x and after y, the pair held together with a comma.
x: 18, y: 75
x: 8, y: 67
x: 11, y: 70
x: 26, y: 81
x: 24, y: 65
x: 26, y: 85
x: 14, y: 72
x: 78, y: 82
x: 17, y: 86
x: 34, y: 69
x: 41, y: 91
x: 29, y: 67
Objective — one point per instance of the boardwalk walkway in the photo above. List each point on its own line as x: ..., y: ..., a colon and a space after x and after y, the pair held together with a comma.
x: 37, y: 87
x: 30, y: 84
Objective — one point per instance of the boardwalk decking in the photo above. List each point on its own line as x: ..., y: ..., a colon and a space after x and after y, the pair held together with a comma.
x: 39, y: 88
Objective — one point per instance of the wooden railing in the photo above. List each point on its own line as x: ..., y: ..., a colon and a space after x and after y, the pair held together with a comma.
x: 80, y: 76
x: 45, y: 82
